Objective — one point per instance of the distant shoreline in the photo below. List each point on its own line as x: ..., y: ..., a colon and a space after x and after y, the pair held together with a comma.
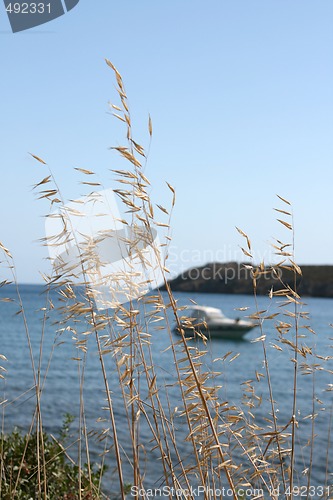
x: 236, y: 278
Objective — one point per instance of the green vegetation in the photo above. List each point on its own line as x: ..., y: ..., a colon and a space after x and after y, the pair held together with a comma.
x: 61, y: 478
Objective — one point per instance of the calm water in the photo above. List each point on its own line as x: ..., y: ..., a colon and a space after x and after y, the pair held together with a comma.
x: 61, y: 392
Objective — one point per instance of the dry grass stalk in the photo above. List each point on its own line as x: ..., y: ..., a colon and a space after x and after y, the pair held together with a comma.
x: 231, y: 447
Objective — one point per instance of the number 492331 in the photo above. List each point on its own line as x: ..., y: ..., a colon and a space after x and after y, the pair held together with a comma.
x: 28, y: 8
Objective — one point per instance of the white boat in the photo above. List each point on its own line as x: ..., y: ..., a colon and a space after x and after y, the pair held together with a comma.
x: 212, y: 323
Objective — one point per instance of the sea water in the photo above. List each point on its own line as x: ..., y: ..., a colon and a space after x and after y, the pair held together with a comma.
x: 61, y: 387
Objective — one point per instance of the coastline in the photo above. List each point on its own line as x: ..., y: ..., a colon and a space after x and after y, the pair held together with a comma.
x: 236, y: 278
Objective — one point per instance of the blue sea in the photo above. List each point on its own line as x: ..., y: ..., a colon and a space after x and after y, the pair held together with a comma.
x: 60, y: 376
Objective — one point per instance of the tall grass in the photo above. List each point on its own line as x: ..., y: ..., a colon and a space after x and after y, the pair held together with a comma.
x: 237, y: 451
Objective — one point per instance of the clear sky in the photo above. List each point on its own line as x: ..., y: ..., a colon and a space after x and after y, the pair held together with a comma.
x: 241, y: 97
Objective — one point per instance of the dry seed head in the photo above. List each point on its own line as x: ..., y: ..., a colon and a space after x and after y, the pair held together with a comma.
x: 286, y: 224
x: 234, y: 357
x: 150, y: 126
x: 119, y: 117
x: 84, y: 171
x: 282, y: 211
x: 38, y: 159
x: 115, y: 107
x: 44, y: 181
x: 296, y: 267
x: 283, y: 199
x: 245, y: 252
x: 5, y: 250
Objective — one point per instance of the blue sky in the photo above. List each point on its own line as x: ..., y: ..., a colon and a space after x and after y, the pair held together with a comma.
x: 241, y: 97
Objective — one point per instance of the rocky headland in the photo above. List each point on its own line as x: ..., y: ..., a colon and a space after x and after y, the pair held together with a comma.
x: 236, y: 278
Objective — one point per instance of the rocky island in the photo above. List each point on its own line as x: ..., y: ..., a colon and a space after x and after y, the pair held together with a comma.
x: 236, y: 278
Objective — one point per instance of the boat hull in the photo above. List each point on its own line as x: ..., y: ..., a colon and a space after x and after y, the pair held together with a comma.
x: 230, y: 332
x: 210, y: 322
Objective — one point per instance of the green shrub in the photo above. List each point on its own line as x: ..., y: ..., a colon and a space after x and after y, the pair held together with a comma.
x: 58, y: 476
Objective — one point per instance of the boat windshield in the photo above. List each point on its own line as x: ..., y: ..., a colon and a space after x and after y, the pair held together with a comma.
x: 205, y: 315
x: 216, y: 314
x: 198, y: 315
